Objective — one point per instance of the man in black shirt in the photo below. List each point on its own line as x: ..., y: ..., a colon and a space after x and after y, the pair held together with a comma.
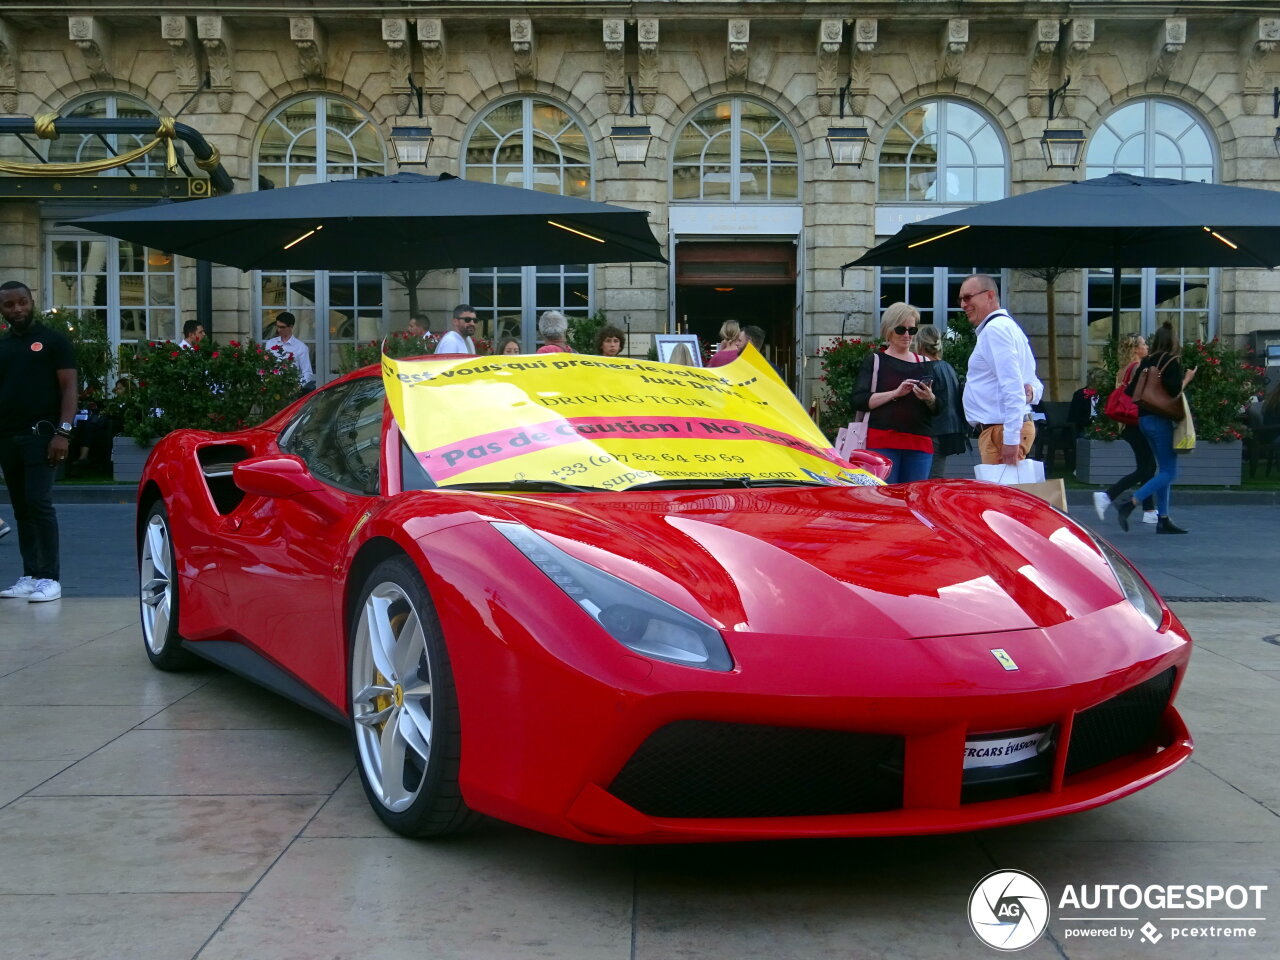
x: 37, y: 405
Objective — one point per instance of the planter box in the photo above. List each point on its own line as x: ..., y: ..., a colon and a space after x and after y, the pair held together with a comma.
x: 1210, y: 465
x: 128, y: 458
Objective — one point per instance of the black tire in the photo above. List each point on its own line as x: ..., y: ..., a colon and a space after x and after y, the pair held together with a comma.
x: 158, y: 593
x: 404, y: 708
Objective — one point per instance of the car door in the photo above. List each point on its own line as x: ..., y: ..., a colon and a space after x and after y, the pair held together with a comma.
x: 288, y: 568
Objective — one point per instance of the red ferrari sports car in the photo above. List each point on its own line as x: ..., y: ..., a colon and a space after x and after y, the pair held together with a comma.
x: 620, y: 601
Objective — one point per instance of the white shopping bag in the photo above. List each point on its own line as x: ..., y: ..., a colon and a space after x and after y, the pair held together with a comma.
x: 1027, y: 471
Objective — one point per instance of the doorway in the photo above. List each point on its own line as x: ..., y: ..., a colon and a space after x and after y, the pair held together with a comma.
x: 753, y: 283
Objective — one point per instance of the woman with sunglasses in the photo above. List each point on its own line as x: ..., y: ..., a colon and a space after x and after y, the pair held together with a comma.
x: 895, y: 387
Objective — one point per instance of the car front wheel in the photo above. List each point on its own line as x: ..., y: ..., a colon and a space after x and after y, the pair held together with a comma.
x: 158, y: 593
x: 404, y: 709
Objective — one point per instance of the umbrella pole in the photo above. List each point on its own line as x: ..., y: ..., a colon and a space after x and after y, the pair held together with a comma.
x: 1115, y: 303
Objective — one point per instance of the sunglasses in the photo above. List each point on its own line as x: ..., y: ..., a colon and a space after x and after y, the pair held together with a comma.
x: 905, y: 331
x: 966, y: 297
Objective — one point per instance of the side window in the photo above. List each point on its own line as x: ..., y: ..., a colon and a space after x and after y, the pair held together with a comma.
x: 339, y: 435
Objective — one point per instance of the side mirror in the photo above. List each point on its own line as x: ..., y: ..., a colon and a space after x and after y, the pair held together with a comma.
x: 274, y: 475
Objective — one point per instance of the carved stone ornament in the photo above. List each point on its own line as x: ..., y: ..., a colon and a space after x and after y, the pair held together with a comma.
x: 395, y: 34
x: 431, y: 40
x: 647, y: 80
x: 615, y: 64
x: 1044, y: 44
x: 8, y: 69
x: 522, y: 44
x: 736, y: 62
x: 180, y: 33
x: 93, y: 37
x: 866, y: 34
x: 1170, y: 40
x: 218, y: 40
x: 830, y: 36
x: 309, y: 36
x: 955, y: 42
x: 1259, y: 38
x: 1079, y: 40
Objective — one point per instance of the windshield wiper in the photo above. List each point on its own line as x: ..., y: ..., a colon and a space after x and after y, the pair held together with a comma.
x: 706, y: 483
x: 543, y: 485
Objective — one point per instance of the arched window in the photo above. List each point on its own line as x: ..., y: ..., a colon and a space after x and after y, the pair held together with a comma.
x: 132, y: 289
x: 78, y: 148
x: 531, y: 143
x: 942, y: 151
x: 1151, y: 138
x: 316, y: 139
x: 735, y: 151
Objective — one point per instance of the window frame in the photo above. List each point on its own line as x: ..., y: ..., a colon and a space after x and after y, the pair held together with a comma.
x: 489, y: 310
x: 735, y: 163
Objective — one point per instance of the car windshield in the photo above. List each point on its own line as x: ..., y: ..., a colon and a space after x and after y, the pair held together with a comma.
x: 570, y: 422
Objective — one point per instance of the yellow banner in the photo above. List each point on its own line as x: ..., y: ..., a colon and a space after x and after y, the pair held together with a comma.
x: 606, y: 422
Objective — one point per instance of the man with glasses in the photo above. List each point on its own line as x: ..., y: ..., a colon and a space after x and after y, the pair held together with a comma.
x: 458, y: 340
x: 1001, y: 384
x: 286, y: 342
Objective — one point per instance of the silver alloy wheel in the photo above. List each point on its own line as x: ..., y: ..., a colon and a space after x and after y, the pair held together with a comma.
x: 391, y: 696
x: 156, y: 579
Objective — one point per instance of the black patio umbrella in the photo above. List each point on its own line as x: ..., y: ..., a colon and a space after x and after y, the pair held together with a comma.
x: 406, y: 221
x: 1121, y: 220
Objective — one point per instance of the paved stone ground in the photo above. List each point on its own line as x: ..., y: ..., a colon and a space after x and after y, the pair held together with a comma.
x: 156, y: 816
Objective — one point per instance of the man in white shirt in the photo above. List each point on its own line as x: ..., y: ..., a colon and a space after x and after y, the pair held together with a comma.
x: 286, y: 342
x: 192, y: 334
x: 1001, y: 384
x: 458, y: 340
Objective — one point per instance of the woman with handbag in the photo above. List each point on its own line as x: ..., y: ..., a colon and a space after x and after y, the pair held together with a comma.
x: 1156, y: 388
x: 1120, y: 407
x: 894, y: 388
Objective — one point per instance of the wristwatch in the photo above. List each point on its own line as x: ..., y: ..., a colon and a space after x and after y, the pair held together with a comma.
x: 64, y: 429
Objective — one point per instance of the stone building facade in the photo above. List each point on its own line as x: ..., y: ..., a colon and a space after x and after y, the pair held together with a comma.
x: 754, y: 217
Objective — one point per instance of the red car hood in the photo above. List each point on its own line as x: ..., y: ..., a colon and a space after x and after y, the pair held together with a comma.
x: 931, y: 559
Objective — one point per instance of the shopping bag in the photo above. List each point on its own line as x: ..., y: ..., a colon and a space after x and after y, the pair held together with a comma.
x: 1052, y: 492
x: 1026, y: 471
x: 1184, y: 433
x: 855, y: 436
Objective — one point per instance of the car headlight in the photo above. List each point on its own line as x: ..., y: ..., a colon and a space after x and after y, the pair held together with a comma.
x: 1135, y: 589
x: 638, y: 620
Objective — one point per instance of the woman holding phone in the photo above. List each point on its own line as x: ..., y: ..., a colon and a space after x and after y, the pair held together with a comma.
x: 895, y: 386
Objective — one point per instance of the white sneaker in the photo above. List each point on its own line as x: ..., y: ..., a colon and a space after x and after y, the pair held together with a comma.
x: 20, y: 590
x: 1100, y: 503
x: 1150, y: 516
x: 45, y: 590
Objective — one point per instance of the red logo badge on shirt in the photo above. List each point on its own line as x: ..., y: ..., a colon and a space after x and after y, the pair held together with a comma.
x: 37, y: 347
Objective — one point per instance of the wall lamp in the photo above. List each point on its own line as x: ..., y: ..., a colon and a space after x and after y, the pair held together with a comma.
x: 631, y: 143
x: 847, y: 145
x: 411, y: 136
x: 1062, y: 147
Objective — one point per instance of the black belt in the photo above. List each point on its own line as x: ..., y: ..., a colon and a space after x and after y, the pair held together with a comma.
x: 1026, y: 418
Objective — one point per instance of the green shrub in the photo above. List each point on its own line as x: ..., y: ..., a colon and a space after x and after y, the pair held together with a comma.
x: 213, y: 387
x: 396, y: 345
x: 841, y: 361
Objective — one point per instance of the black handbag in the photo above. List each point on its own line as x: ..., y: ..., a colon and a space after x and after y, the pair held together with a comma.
x: 1150, y: 394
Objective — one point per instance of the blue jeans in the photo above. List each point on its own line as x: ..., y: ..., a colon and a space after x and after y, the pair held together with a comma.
x: 1159, y: 433
x: 908, y: 465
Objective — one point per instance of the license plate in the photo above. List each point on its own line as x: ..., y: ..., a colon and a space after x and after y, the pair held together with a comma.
x: 1001, y: 751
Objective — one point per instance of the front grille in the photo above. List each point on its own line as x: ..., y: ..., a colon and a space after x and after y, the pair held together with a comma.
x: 697, y: 768
x: 1124, y: 724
